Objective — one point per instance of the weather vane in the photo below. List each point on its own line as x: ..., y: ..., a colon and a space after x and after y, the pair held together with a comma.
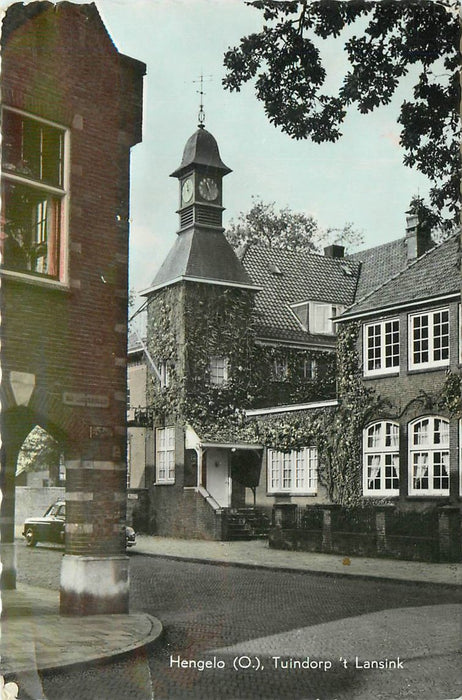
x: 201, y: 115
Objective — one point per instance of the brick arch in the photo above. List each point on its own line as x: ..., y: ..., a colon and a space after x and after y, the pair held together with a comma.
x: 62, y: 422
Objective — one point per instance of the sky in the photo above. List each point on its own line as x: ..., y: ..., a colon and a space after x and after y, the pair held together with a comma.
x: 360, y: 179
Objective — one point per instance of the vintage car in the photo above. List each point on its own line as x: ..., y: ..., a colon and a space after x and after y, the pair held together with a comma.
x: 50, y: 527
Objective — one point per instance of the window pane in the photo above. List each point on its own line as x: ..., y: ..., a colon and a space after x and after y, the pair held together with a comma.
x: 392, y: 344
x: 218, y: 370
x: 392, y: 435
x: 420, y: 470
x: 441, y: 335
x: 11, y: 142
x: 52, y: 156
x: 391, y: 471
x: 373, y: 472
x: 286, y: 471
x: 420, y: 338
x: 32, y: 149
x: 373, y: 347
x: 441, y: 470
x: 421, y: 433
x: 31, y: 230
x: 373, y: 435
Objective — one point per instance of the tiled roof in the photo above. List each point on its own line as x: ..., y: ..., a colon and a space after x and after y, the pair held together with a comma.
x: 379, y: 264
x: 434, y: 274
x: 287, y: 278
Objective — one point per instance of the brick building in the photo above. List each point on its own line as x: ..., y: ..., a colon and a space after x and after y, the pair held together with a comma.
x: 409, y: 343
x: 72, y: 109
x: 250, y: 376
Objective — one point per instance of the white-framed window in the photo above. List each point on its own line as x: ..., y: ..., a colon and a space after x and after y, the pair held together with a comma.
x: 219, y: 370
x: 317, y: 317
x: 381, y: 347
x: 280, y: 369
x: 429, y: 456
x: 34, y: 195
x: 429, y: 339
x: 381, y: 459
x: 165, y: 455
x: 310, y: 368
x: 293, y: 472
x: 164, y: 375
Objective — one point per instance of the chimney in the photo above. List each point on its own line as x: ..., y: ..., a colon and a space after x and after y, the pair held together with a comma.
x: 412, y: 226
x: 418, y: 238
x: 334, y: 251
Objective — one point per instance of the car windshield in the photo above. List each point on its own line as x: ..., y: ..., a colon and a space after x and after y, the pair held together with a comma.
x: 56, y: 510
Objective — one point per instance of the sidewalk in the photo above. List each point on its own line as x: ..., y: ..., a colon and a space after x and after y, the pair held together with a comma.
x: 257, y: 554
x: 35, y: 637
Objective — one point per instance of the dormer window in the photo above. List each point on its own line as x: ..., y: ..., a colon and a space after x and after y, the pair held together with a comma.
x: 317, y: 317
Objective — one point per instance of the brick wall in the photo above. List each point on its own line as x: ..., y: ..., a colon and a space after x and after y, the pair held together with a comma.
x: 59, y: 64
x: 410, y: 394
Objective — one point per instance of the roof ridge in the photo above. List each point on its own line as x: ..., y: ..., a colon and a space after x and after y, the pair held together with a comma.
x: 376, y: 247
x: 425, y: 255
x: 284, y: 252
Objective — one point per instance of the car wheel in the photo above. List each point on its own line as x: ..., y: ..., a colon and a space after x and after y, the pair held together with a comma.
x: 31, y: 540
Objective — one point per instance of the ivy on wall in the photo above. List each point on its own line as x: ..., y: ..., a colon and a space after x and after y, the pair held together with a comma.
x: 189, y: 324
x: 337, y: 431
x: 451, y: 395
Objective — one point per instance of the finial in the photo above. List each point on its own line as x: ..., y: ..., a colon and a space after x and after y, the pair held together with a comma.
x: 201, y: 115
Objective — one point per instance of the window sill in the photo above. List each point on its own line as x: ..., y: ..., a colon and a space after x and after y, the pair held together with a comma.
x: 431, y: 368
x: 381, y: 494
x: 426, y: 496
x: 164, y: 483
x: 35, y: 280
x: 381, y: 375
x: 279, y: 494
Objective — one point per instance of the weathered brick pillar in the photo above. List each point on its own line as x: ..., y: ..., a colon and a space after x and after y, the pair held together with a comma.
x: 381, y: 527
x: 326, y: 545
x: 449, y: 535
x: 285, y: 515
x: 94, y: 572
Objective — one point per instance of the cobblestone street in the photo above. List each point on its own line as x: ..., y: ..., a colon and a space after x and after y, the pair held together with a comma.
x: 242, y: 619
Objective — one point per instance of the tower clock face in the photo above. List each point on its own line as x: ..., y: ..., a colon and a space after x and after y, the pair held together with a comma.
x: 187, y: 190
x: 208, y: 188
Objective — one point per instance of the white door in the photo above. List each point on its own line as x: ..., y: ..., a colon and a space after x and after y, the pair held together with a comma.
x: 218, y: 479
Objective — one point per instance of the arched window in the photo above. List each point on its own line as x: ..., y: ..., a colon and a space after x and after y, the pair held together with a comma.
x: 381, y: 459
x: 429, y: 456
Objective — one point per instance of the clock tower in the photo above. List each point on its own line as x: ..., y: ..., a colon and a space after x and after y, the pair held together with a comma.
x: 200, y: 178
x: 201, y: 252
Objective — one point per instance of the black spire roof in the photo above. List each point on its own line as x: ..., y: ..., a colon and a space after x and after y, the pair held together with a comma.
x: 201, y: 149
